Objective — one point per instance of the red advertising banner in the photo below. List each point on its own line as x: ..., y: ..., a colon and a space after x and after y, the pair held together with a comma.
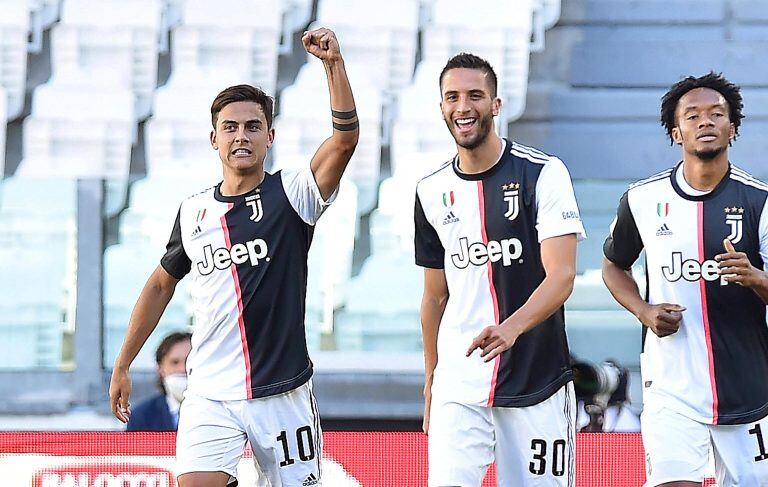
x: 351, y: 459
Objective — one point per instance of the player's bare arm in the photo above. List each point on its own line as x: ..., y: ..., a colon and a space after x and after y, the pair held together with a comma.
x: 663, y: 319
x: 738, y: 269
x: 433, y: 303
x: 152, y: 301
x: 332, y: 157
x: 558, y: 256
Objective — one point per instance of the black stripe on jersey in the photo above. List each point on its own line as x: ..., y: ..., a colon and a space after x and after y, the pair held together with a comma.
x: 660, y: 175
x: 429, y: 250
x: 524, y: 155
x: 538, y: 364
x: 749, y: 181
x: 737, y: 316
x: 571, y: 434
x: 738, y: 171
x: 318, y: 433
x: 176, y: 262
x: 624, y: 244
x: 274, y: 289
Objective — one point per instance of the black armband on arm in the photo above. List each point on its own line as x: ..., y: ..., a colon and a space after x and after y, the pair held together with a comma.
x: 346, y: 127
x: 344, y: 115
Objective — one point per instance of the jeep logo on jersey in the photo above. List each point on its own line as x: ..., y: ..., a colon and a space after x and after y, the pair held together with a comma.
x: 479, y: 253
x: 512, y: 197
x: 222, y: 258
x: 691, y: 270
x: 733, y: 218
x: 255, y: 203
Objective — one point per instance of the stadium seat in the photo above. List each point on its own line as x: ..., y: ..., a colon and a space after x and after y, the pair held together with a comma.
x: 382, y: 310
x: 14, y: 24
x: 3, y: 125
x: 177, y: 136
x: 590, y: 294
x: 382, y: 36
x: 126, y: 269
x: 244, y: 36
x: 500, y: 32
x: 31, y: 336
x: 304, y: 122
x: 391, y: 222
x: 123, y: 35
x: 79, y: 127
x: 43, y: 13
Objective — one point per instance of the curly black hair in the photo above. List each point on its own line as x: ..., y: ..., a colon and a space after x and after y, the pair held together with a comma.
x: 715, y: 81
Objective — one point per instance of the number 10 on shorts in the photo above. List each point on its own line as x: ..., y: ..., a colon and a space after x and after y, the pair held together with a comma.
x: 303, y: 440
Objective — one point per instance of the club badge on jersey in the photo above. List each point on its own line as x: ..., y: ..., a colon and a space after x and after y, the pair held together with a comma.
x: 733, y: 218
x: 512, y: 197
x: 255, y: 203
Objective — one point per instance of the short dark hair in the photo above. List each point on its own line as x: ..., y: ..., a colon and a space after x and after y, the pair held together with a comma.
x: 714, y: 81
x: 470, y: 61
x: 168, y: 343
x: 242, y: 93
x: 165, y: 347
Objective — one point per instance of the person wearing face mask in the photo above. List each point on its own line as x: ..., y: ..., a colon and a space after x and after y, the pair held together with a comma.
x: 161, y: 412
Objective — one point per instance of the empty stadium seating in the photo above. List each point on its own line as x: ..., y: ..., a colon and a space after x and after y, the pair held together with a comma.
x: 14, y: 24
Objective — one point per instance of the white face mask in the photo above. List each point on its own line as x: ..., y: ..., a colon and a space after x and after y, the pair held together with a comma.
x: 175, y: 385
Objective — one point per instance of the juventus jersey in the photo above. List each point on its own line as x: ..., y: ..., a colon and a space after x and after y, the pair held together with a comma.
x: 484, y: 230
x: 714, y: 369
x: 247, y: 257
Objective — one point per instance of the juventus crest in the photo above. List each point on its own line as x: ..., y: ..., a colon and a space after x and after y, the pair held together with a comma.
x: 255, y: 203
x: 733, y: 218
x: 512, y: 197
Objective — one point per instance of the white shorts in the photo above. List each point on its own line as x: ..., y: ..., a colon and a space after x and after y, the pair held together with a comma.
x: 283, y: 430
x: 677, y: 448
x: 532, y: 446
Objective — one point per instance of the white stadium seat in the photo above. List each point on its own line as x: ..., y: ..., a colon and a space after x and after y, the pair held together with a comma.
x: 122, y: 35
x: 497, y: 30
x: 80, y: 126
x: 3, y: 125
x: 382, y: 36
x: 244, y: 36
x: 177, y: 135
x: 304, y: 122
x: 43, y: 13
x: 14, y: 24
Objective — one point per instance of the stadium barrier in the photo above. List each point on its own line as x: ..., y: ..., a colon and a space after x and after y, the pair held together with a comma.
x: 351, y: 459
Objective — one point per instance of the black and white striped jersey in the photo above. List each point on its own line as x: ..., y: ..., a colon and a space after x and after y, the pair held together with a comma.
x: 714, y: 369
x: 247, y: 259
x: 484, y: 230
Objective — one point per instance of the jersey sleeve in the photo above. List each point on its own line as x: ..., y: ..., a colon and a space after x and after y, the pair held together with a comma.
x: 557, y: 212
x: 763, y: 229
x: 302, y: 191
x: 429, y: 250
x: 175, y: 261
x: 624, y: 244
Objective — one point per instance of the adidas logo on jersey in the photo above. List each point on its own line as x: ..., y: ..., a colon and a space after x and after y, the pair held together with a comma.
x: 692, y: 270
x: 222, y: 258
x: 450, y: 218
x: 197, y: 231
x: 663, y: 230
x: 310, y: 480
x: 479, y: 253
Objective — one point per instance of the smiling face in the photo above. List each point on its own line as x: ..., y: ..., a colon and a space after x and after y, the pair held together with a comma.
x: 468, y: 106
x: 704, y: 128
x: 241, y: 137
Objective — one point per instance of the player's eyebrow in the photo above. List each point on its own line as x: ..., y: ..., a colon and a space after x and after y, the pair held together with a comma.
x: 247, y: 122
x: 689, y: 108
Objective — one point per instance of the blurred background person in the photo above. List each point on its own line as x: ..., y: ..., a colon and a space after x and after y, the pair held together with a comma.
x: 161, y: 411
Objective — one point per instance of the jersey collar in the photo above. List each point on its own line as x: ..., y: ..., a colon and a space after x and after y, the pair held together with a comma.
x: 239, y: 197
x: 481, y: 175
x: 703, y: 197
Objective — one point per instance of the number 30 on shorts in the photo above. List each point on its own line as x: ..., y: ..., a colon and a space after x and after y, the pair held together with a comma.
x: 303, y: 440
x: 539, y: 464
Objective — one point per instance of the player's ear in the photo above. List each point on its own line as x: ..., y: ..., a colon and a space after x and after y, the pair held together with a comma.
x: 732, y: 132
x: 270, y: 137
x: 496, y: 106
x: 213, y: 139
x: 677, y: 136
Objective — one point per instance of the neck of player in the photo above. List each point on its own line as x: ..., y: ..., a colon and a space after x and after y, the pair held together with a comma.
x: 240, y: 182
x: 482, y: 157
x: 704, y: 175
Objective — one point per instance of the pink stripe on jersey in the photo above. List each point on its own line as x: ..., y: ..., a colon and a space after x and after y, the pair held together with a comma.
x: 240, y: 321
x: 497, y: 360
x: 705, y: 312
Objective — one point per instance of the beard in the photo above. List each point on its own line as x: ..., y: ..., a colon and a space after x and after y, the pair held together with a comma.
x: 709, y: 154
x: 484, y: 125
